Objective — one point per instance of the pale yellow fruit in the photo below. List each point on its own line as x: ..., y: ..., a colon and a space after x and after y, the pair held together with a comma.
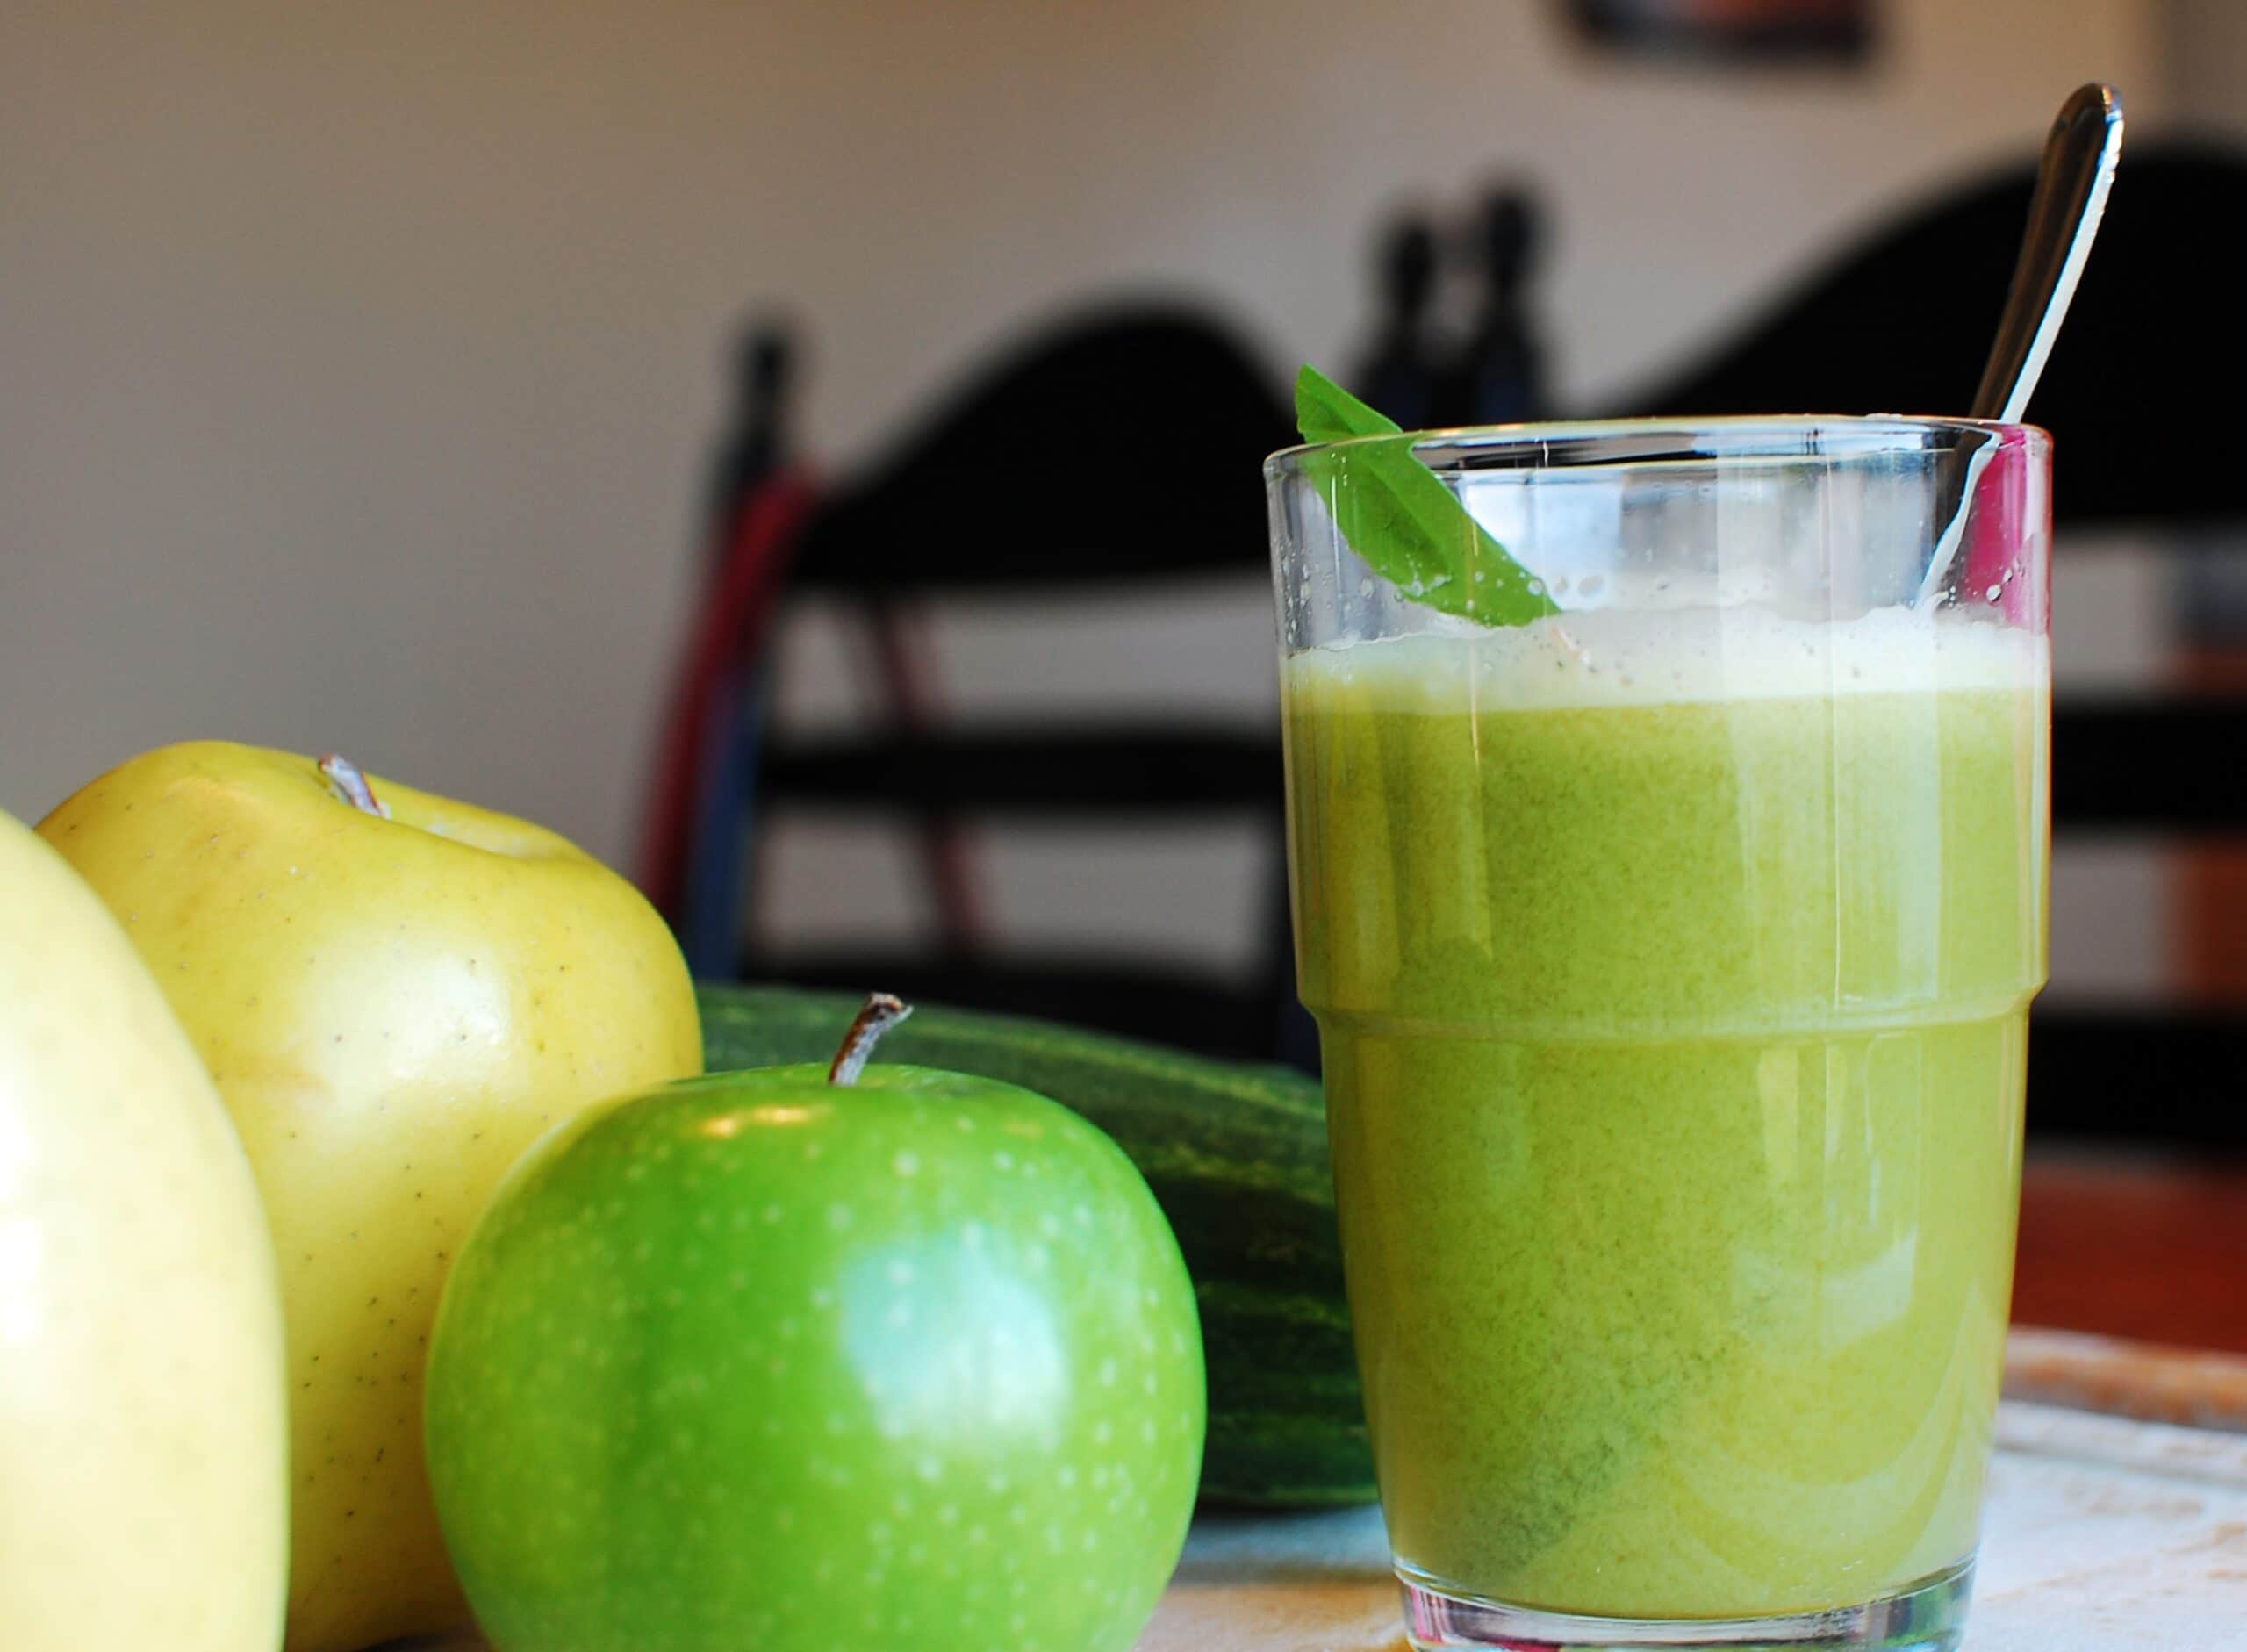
x: 393, y: 1009
x: 143, y: 1424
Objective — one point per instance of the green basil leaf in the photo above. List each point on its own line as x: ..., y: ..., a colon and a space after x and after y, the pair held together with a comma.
x: 1400, y: 517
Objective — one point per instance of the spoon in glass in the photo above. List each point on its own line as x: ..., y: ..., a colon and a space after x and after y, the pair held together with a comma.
x: 2072, y: 181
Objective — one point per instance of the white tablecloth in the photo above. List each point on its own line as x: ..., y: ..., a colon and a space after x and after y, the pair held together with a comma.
x: 2102, y: 1533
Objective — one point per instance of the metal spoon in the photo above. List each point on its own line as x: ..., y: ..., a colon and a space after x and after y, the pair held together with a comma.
x: 2072, y: 179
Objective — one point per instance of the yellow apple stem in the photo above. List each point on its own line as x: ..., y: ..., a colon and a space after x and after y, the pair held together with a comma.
x: 882, y: 1011
x: 345, y: 780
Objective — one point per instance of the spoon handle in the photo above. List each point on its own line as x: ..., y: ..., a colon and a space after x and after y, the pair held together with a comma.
x: 2071, y: 183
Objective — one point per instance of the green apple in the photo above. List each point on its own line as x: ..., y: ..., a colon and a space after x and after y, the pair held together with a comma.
x: 144, y: 1483
x: 395, y: 993
x: 764, y: 1360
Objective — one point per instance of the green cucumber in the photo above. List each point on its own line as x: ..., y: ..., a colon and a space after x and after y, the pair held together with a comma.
x: 1237, y: 1157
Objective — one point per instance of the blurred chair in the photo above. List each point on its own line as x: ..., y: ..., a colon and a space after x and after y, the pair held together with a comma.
x: 1899, y: 323
x: 700, y: 799
x: 1413, y: 368
x: 1402, y: 367
x: 1119, y: 451
x: 2137, y: 395
x: 1499, y: 378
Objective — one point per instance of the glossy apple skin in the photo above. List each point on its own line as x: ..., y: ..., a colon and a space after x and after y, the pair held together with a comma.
x: 393, y: 1009
x: 756, y: 1361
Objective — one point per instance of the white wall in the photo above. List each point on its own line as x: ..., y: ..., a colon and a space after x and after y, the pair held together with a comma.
x: 356, y: 361
x: 2204, y: 59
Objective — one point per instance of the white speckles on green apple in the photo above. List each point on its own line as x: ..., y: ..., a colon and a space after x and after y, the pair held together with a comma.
x: 975, y: 1415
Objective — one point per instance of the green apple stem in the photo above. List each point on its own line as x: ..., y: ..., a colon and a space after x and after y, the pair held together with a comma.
x: 881, y: 1012
x: 345, y: 780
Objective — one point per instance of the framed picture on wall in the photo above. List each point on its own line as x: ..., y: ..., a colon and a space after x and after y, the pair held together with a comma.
x: 1831, y: 32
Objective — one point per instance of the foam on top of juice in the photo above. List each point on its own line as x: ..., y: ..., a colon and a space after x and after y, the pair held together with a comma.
x: 1617, y: 657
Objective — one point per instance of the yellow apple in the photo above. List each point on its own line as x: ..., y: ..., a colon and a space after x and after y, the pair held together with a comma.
x: 143, y: 1422
x: 395, y: 993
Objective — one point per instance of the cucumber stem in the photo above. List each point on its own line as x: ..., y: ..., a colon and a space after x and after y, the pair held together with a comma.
x: 880, y: 1012
x: 345, y: 780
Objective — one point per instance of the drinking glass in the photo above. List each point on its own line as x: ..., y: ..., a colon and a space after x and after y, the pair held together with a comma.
x: 1671, y: 955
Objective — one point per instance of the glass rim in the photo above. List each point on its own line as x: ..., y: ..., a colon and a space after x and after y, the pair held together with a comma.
x: 1787, y: 433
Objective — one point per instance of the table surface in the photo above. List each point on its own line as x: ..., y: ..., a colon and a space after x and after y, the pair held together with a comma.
x: 2101, y: 1532
x: 2134, y: 1244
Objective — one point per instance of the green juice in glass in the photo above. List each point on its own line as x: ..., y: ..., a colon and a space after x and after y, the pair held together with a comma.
x: 1672, y: 971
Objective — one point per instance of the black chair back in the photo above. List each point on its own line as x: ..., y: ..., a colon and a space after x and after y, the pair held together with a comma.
x: 1122, y: 448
